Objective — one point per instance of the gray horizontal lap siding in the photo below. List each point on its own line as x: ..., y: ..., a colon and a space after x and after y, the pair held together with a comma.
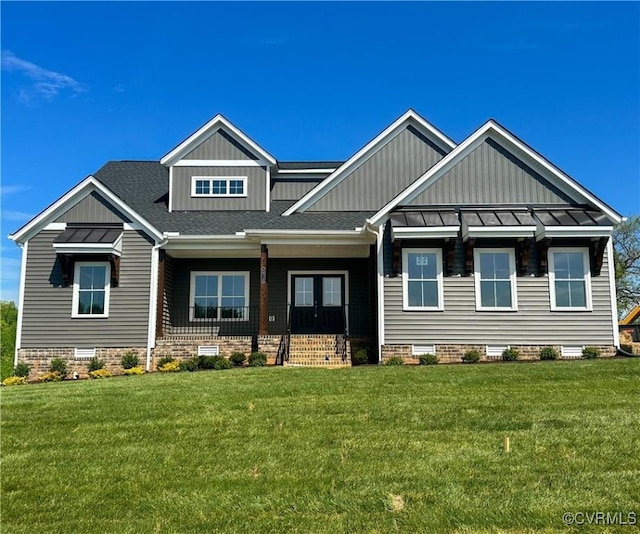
x: 47, y: 311
x: 384, y: 175
x: 491, y: 175
x: 220, y: 146
x: 533, y: 324
x: 93, y: 209
x: 256, y: 189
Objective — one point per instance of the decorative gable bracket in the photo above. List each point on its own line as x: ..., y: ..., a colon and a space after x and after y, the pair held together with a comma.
x: 596, y: 254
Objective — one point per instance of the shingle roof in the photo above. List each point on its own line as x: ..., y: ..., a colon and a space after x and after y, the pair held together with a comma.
x: 295, y: 165
x: 144, y: 186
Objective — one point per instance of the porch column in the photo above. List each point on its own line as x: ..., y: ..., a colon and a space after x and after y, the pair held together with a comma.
x: 264, y: 292
x: 160, y: 295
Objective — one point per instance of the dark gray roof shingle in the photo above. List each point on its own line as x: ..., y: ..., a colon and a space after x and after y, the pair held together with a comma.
x: 144, y: 186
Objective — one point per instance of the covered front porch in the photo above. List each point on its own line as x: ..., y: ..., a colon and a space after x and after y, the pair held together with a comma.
x: 302, y: 302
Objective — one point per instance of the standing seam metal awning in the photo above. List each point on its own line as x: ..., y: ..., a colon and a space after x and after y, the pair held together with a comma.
x: 424, y: 224
x: 90, y: 240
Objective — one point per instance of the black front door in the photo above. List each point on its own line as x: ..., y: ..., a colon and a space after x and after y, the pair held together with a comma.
x: 317, y: 304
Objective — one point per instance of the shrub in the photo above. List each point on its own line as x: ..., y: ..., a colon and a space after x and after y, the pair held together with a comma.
x: 22, y: 370
x: 95, y: 364
x: 257, y: 359
x: 471, y: 356
x: 133, y: 371
x: 172, y: 366
x: 51, y: 376
x: 165, y: 360
x: 221, y: 363
x: 590, y: 353
x: 510, y: 355
x: 548, y: 353
x: 189, y: 365
x: 207, y: 362
x: 99, y: 373
x: 360, y: 357
x: 58, y: 365
x: 237, y: 359
x: 14, y: 381
x: 129, y: 360
x: 428, y: 359
x: 394, y: 360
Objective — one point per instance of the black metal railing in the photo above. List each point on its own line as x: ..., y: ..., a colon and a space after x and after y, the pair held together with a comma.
x: 285, y: 341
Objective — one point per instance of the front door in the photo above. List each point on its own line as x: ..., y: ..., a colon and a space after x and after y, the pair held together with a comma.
x: 317, y: 304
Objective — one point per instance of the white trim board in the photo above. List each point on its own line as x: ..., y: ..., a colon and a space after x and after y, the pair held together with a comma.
x: 23, y: 280
x: 210, y: 128
x: 410, y: 118
x: 493, y: 130
x: 72, y: 197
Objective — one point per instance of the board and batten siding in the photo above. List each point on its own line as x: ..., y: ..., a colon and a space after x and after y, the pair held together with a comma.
x: 290, y: 190
x: 47, y: 320
x: 384, y: 175
x: 490, y: 174
x: 220, y: 146
x: 256, y: 198
x: 92, y: 209
x: 533, y: 324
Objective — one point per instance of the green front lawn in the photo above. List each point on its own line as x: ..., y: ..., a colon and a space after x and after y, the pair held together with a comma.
x: 365, y: 449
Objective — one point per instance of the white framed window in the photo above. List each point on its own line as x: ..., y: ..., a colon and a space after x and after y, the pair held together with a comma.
x: 91, y: 285
x: 331, y: 291
x: 569, y: 279
x: 495, y: 279
x: 218, y: 186
x: 422, y: 279
x: 219, y: 295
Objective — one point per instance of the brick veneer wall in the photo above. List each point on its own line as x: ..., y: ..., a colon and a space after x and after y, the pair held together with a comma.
x: 39, y: 359
x: 453, y: 353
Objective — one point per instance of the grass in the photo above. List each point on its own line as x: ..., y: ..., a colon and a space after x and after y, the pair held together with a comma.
x: 369, y: 449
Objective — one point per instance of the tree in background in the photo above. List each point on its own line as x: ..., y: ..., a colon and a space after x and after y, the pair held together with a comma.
x: 9, y: 323
x: 626, y: 254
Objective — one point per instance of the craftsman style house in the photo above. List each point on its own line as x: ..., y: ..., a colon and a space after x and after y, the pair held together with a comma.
x: 413, y: 245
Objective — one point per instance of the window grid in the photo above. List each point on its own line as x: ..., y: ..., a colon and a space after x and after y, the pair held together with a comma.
x: 219, y: 295
x: 495, y: 279
x: 569, y: 279
x: 91, y: 289
x: 422, y: 279
x: 219, y: 186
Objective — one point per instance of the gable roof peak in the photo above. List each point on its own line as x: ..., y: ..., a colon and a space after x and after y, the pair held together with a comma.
x: 208, y: 129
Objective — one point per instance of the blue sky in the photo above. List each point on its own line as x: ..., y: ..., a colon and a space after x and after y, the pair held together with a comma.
x: 84, y: 83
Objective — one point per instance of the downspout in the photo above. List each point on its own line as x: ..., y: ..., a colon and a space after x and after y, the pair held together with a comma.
x: 153, y: 298
x: 23, y: 281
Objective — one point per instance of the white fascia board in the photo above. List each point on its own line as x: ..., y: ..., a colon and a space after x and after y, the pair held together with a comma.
x: 573, y: 231
x: 294, y: 172
x: 310, y: 237
x: 75, y: 195
x: 498, y: 231
x: 220, y: 163
x: 495, y: 131
x: 612, y: 294
x: 86, y: 248
x: 209, y: 129
x: 424, y: 233
x: 410, y: 117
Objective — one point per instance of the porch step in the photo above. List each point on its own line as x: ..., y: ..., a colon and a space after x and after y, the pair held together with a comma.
x: 318, y: 351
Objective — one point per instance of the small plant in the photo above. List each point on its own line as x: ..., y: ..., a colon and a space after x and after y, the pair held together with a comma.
x: 133, y: 371
x: 548, y: 353
x: 238, y: 359
x: 164, y: 360
x: 129, y: 360
x: 207, y: 362
x: 428, y: 359
x: 510, y: 355
x: 95, y: 364
x: 58, y: 365
x: 591, y: 353
x: 22, y: 370
x: 221, y: 363
x: 99, y: 373
x: 172, y: 366
x: 394, y: 360
x: 471, y: 356
x: 360, y: 357
x: 15, y: 381
x: 257, y: 359
x: 189, y: 365
x: 51, y: 376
